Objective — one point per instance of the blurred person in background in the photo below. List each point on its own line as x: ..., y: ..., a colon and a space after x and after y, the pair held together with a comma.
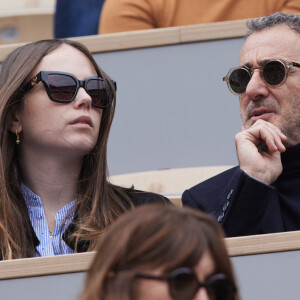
x: 128, y: 15
x: 76, y: 17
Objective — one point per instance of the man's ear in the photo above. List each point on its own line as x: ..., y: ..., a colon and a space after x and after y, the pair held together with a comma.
x: 15, y: 122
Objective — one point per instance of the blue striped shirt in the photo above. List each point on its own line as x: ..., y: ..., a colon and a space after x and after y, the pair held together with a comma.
x: 48, y: 246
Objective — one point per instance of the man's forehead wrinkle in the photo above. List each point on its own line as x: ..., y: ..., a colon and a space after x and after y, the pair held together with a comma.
x: 258, y: 51
x: 248, y: 55
x: 262, y: 62
x: 259, y: 63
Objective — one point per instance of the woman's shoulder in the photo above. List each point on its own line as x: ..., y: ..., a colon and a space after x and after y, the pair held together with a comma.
x: 142, y: 197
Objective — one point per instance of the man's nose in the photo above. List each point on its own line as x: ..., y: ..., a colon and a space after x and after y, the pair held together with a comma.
x: 256, y: 88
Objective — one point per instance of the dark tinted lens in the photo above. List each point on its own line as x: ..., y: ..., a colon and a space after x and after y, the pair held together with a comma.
x: 183, y: 285
x: 274, y: 72
x: 96, y: 88
x: 220, y: 288
x: 238, y: 80
x: 62, y: 87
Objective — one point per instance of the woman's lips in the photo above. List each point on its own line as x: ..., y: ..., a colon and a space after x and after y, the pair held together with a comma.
x: 83, y: 122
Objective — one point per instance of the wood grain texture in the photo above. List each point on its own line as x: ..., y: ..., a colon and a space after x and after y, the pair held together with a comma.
x: 264, y: 243
x: 40, y: 266
x: 156, y: 37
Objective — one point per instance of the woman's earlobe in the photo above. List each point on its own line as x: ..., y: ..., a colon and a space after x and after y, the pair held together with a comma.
x: 15, y: 124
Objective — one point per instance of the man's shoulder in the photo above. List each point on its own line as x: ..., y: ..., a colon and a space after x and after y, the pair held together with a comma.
x: 207, y: 194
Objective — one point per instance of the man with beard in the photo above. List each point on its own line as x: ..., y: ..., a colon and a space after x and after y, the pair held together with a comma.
x: 262, y: 194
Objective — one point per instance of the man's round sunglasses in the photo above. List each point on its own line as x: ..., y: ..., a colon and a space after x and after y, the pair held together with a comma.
x: 273, y: 73
x: 62, y: 87
x: 183, y: 284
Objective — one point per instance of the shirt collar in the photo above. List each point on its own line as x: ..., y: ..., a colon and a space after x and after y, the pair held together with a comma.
x: 31, y: 199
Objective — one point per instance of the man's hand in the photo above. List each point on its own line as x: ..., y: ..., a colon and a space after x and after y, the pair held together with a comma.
x: 258, y: 150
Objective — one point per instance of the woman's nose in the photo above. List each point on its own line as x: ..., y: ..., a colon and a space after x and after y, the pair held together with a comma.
x: 201, y: 295
x: 83, y: 99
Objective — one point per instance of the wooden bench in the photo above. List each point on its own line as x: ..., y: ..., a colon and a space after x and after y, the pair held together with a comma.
x: 26, y: 24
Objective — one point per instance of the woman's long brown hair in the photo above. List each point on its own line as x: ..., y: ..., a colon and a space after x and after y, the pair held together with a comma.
x: 98, y: 203
x: 148, y: 238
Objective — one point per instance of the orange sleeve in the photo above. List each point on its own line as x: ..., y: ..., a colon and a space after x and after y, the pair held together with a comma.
x: 291, y: 7
x: 126, y: 15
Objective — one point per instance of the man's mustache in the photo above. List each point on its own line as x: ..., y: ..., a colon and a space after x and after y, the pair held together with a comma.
x: 272, y: 105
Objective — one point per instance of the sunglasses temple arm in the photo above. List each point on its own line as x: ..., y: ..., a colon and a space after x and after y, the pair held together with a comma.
x: 29, y: 85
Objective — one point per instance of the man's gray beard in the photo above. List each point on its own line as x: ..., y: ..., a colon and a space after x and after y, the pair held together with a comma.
x: 291, y: 129
x: 289, y: 121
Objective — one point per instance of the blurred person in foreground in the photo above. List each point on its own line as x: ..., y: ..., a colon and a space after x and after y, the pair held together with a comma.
x: 162, y: 253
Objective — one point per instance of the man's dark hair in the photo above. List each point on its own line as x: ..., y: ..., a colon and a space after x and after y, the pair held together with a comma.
x: 290, y: 20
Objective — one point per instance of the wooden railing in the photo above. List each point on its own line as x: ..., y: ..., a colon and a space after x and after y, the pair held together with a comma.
x: 153, y: 37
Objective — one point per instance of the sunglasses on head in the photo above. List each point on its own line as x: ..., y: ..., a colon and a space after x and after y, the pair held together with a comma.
x: 183, y: 285
x: 62, y: 87
x: 273, y: 73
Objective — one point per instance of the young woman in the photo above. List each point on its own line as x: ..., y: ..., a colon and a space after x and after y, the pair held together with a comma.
x: 165, y: 253
x: 56, y: 109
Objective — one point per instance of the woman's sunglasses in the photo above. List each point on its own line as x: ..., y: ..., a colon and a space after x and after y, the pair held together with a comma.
x: 183, y: 285
x: 62, y: 87
x: 273, y: 72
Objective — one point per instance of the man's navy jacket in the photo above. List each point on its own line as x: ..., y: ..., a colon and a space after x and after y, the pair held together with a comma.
x: 245, y: 206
